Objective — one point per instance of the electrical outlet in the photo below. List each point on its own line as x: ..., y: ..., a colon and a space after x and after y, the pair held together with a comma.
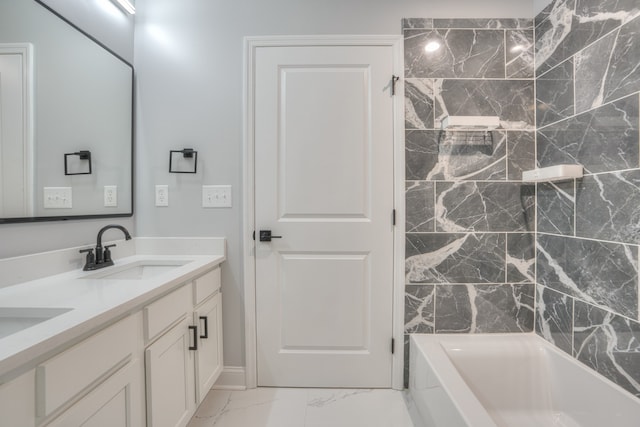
x: 216, y: 196
x: 111, y: 195
x: 57, y: 198
x: 162, y: 195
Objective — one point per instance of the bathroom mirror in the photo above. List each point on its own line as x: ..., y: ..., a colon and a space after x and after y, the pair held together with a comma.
x: 66, y: 109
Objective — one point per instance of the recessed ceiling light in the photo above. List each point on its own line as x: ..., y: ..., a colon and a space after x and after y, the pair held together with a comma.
x: 432, y: 46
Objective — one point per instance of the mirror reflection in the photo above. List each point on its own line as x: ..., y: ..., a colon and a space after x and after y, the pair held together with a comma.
x: 65, y: 120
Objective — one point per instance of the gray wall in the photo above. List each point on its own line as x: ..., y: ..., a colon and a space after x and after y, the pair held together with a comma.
x: 470, y: 221
x: 189, y: 66
x: 587, y: 229
x: 115, y: 30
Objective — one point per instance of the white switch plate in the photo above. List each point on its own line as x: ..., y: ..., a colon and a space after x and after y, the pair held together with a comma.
x: 216, y: 196
x: 110, y: 195
x: 58, y: 198
x: 162, y: 195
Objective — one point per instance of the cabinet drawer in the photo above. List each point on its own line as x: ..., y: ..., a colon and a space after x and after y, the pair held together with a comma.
x: 65, y: 375
x: 206, y: 285
x: 161, y: 314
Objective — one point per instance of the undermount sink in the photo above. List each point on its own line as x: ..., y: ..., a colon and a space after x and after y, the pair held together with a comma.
x: 15, y: 319
x: 138, y: 270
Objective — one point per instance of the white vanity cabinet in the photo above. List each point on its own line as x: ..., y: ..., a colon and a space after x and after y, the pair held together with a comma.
x: 184, y: 355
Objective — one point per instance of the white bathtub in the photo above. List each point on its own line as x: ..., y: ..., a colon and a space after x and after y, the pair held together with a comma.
x: 511, y: 380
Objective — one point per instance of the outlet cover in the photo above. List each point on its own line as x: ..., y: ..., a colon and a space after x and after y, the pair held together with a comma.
x: 58, y: 198
x: 162, y: 195
x: 110, y: 195
x: 216, y: 196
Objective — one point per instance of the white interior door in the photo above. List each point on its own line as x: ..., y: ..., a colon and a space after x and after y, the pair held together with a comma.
x: 15, y: 144
x: 323, y: 120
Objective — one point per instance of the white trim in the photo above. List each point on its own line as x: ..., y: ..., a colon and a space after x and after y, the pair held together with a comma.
x: 25, y: 50
x: 250, y: 46
x: 231, y: 378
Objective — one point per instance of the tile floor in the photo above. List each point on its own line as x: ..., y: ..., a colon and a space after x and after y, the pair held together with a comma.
x: 299, y: 407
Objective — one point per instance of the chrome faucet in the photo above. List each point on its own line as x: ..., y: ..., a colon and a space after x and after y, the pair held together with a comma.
x: 102, y: 257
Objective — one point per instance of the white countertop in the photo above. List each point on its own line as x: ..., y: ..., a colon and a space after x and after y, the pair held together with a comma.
x: 94, y: 303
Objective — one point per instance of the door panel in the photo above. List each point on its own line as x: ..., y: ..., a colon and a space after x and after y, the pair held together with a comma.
x: 324, y: 182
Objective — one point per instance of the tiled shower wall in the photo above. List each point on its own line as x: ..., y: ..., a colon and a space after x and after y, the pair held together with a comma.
x: 588, y: 83
x: 470, y: 221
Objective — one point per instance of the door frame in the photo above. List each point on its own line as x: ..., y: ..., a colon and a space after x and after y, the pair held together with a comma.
x: 25, y: 50
x: 251, y: 44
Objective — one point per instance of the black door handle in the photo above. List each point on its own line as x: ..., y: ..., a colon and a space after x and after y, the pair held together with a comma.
x: 195, y: 338
x: 266, y: 236
x: 206, y: 327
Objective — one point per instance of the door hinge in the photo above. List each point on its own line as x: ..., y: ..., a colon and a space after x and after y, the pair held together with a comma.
x: 393, y: 345
x: 254, y: 234
x: 394, y: 80
x: 394, y: 217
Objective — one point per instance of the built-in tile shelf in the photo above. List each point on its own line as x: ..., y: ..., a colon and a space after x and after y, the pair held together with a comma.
x: 468, y: 123
x: 553, y: 173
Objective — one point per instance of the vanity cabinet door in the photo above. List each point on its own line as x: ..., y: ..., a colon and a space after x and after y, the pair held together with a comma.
x: 170, y: 378
x: 208, y: 317
x: 117, y: 402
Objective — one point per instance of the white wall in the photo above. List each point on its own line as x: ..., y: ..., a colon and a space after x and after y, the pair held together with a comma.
x: 114, y: 29
x: 188, y: 58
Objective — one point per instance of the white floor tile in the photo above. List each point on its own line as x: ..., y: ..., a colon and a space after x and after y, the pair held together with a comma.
x: 289, y: 407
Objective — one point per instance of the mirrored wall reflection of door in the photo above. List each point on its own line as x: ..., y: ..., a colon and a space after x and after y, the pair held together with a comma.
x: 16, y: 162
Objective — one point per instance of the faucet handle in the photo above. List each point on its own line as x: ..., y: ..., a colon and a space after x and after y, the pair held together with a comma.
x: 107, y: 253
x: 90, y: 260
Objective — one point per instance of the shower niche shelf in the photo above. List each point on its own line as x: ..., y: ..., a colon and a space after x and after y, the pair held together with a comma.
x: 553, y: 173
x: 470, y: 123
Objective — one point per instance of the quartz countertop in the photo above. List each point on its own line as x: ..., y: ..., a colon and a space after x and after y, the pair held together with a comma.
x: 93, y: 304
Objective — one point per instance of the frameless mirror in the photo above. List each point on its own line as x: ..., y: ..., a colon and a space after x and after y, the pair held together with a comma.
x: 66, y: 120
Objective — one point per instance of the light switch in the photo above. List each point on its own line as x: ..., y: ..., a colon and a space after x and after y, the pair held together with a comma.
x: 111, y: 195
x: 162, y: 195
x: 216, y: 196
x: 58, y: 198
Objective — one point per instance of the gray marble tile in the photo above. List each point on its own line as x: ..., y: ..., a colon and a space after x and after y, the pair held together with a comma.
x: 419, y: 23
x: 544, y: 13
x: 608, y: 207
x: 556, y: 204
x: 483, y: 23
x: 601, y: 78
x: 519, y: 53
x: 418, y: 104
x: 456, y: 53
x: 521, y: 153
x: 554, y: 93
x: 574, y: 24
x: 603, y: 140
x: 511, y: 100
x: 467, y: 206
x: 609, y: 344
x: 466, y: 156
x: 521, y: 257
x: 484, y: 308
x: 596, y: 272
x: 419, y: 206
x: 554, y: 318
x: 421, y: 153
x: 455, y: 258
x: 419, y: 309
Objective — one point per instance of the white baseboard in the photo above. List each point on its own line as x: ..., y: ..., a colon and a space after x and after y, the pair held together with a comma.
x: 231, y: 378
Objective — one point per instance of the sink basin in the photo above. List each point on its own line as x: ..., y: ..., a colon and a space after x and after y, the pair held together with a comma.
x: 138, y: 270
x: 15, y: 319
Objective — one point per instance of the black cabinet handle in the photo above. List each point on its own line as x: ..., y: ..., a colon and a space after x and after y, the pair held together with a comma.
x: 195, y: 338
x: 206, y: 327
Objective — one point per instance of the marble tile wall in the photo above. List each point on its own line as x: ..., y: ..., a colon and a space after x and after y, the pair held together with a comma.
x: 588, y: 230
x: 470, y: 222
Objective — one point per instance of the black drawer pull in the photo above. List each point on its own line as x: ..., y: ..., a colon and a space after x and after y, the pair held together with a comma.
x: 206, y: 327
x: 195, y: 338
